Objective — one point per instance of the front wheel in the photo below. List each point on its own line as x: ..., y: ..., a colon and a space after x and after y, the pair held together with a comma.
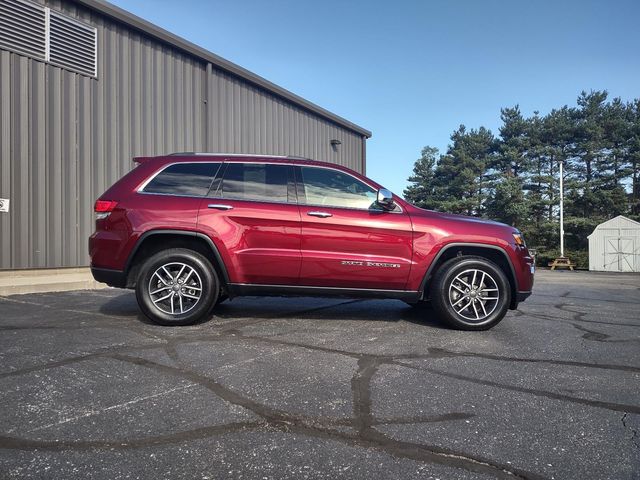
x: 471, y: 293
x: 177, y: 287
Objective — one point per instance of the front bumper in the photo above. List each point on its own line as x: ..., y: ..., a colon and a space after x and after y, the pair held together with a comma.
x: 522, y: 296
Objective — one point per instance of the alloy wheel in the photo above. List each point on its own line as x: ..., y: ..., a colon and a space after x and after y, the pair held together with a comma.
x: 474, y: 295
x: 175, y: 288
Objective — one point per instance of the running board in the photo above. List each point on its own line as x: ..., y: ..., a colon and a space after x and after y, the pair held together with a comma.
x: 247, y: 289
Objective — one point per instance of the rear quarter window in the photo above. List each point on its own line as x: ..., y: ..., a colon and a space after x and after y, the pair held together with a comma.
x: 187, y: 179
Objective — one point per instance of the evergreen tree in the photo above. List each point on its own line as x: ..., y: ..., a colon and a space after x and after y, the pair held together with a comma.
x: 508, y: 203
x: 514, y: 178
x: 420, y: 192
x: 462, y: 182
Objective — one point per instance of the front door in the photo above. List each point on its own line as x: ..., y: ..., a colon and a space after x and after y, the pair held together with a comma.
x: 346, y: 240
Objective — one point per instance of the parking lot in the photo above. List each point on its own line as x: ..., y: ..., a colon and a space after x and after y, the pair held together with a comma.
x: 323, y: 388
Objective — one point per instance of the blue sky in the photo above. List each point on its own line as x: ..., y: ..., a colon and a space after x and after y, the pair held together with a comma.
x: 413, y: 71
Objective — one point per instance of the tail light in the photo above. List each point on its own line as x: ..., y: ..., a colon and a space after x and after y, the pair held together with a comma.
x: 103, y: 208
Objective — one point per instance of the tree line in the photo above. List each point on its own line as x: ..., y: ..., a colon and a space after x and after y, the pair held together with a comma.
x: 513, y: 177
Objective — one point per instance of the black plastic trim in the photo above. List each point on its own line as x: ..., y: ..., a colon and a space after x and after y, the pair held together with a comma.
x: 186, y: 233
x: 243, y: 289
x: 522, y: 296
x: 465, y: 244
x: 113, y: 278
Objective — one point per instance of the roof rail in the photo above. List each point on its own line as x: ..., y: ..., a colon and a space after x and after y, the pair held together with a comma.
x: 227, y: 154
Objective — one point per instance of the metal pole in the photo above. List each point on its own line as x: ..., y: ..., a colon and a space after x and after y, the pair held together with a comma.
x: 561, y: 212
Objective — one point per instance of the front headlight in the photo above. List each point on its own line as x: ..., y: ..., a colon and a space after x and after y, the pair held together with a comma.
x: 519, y: 239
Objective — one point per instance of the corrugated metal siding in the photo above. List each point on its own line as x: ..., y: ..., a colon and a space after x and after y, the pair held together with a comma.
x: 65, y: 137
x: 245, y: 119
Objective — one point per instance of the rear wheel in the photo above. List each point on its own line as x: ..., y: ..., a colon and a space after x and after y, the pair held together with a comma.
x: 471, y: 293
x: 177, y: 287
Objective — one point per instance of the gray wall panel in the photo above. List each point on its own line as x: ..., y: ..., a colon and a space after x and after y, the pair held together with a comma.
x: 65, y: 137
x: 5, y: 154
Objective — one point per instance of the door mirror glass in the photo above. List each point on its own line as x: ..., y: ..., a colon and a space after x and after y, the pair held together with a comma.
x: 385, y: 199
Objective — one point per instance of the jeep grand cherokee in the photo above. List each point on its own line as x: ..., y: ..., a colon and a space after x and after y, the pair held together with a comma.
x: 188, y: 231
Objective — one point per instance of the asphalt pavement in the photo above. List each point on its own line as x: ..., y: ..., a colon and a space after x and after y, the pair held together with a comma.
x: 294, y: 388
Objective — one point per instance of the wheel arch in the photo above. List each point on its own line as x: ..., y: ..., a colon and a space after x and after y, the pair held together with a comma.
x: 491, y: 252
x: 154, y: 241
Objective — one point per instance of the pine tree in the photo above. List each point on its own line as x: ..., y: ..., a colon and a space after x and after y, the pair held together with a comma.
x: 461, y: 175
x: 514, y: 178
x: 420, y: 192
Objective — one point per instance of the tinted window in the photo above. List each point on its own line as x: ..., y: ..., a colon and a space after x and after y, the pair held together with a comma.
x: 191, y: 179
x: 262, y: 182
x: 323, y: 186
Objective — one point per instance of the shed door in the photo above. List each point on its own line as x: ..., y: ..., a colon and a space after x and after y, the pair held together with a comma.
x: 619, y: 254
x: 627, y: 254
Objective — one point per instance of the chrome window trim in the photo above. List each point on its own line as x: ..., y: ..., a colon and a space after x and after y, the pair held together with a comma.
x: 170, y: 195
x: 293, y: 163
x: 253, y: 201
x: 370, y: 210
x: 141, y: 191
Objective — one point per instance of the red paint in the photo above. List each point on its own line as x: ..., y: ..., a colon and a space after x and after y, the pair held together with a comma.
x: 280, y: 244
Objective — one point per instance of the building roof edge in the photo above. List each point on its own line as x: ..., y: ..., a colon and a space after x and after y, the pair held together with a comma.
x: 148, y: 28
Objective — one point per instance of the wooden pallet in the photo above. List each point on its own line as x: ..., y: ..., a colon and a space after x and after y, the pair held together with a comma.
x: 562, y: 262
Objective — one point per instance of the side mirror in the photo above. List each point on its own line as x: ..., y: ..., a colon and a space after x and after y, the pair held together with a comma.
x: 385, y: 199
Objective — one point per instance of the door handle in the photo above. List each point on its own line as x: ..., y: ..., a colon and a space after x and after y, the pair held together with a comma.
x: 319, y: 214
x: 219, y: 206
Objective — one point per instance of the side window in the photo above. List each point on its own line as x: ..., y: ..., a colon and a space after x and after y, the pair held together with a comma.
x: 190, y: 179
x: 259, y: 182
x: 323, y: 186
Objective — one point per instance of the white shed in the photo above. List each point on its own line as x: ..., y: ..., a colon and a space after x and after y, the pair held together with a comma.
x: 614, y: 246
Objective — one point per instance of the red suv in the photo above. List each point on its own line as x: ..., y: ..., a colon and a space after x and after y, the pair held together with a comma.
x: 188, y: 231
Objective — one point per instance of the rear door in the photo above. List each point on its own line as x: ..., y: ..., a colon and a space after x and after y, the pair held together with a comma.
x: 252, y: 216
x: 346, y: 240
x: 171, y: 198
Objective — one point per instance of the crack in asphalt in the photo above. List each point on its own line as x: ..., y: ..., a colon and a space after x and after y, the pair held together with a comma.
x: 635, y: 439
x: 277, y: 419
x: 363, y: 422
x: 617, y: 407
x: 577, y: 316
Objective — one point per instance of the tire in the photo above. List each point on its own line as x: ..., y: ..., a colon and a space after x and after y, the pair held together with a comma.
x: 466, y: 302
x: 163, y: 274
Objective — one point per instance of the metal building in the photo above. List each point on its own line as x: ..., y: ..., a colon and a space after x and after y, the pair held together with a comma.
x: 614, y: 246
x: 85, y: 86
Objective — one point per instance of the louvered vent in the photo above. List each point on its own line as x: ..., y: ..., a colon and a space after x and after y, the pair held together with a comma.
x: 72, y: 44
x: 44, y: 34
x: 23, y: 28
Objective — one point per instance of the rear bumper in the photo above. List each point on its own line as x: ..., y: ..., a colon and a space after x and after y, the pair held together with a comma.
x: 113, y: 278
